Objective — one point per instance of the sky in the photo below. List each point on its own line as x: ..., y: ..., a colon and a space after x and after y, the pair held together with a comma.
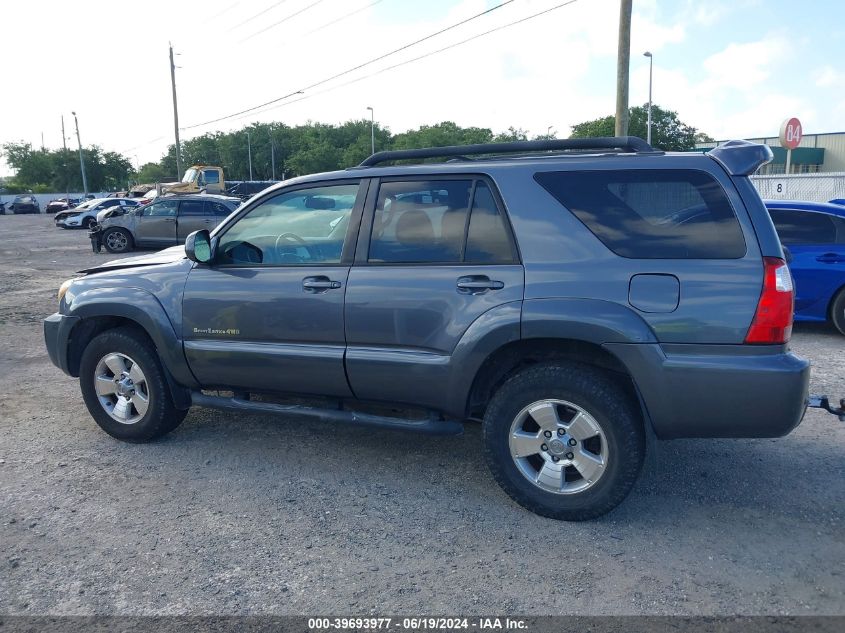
x: 731, y: 68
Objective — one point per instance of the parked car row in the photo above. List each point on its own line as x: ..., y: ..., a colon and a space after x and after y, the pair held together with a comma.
x: 85, y: 215
x: 165, y: 222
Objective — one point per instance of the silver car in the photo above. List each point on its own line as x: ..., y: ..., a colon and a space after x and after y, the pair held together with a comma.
x: 166, y: 222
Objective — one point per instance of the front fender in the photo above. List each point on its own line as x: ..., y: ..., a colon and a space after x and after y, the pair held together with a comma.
x: 143, y: 308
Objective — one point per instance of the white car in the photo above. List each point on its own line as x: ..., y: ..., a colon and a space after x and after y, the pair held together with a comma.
x: 85, y: 215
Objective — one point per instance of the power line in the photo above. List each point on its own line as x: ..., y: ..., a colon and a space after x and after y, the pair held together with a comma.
x: 353, y: 69
x: 257, y: 15
x: 158, y: 138
x: 343, y: 17
x: 219, y: 13
x: 282, y: 21
x: 429, y: 54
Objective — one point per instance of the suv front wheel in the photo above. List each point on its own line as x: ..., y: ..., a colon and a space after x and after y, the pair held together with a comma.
x: 117, y: 240
x: 124, y: 387
x: 564, y: 441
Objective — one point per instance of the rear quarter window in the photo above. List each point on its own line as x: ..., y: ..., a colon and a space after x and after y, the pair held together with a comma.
x: 651, y: 213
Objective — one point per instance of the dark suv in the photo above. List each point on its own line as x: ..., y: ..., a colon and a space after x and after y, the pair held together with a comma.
x: 575, y: 296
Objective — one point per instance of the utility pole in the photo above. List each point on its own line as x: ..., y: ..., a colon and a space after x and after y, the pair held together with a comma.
x: 249, y: 153
x: 81, y: 159
x: 272, y: 155
x: 175, y: 116
x: 650, y: 68
x: 64, y: 162
x: 623, y: 66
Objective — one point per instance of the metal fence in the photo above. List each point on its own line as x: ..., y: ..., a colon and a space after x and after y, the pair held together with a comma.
x: 811, y: 187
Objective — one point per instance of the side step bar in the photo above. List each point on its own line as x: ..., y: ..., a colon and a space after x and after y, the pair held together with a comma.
x: 430, y: 426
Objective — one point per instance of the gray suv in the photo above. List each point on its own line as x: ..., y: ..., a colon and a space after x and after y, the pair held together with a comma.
x: 165, y: 222
x: 576, y: 297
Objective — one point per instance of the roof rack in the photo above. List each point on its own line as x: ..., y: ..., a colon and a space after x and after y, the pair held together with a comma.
x: 616, y: 143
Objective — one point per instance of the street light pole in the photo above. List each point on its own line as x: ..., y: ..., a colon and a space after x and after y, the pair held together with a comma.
x: 650, y: 67
x: 249, y: 153
x: 81, y: 159
x: 372, y: 130
x: 64, y: 163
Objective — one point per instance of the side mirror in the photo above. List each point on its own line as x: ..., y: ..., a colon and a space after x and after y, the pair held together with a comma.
x: 198, y: 247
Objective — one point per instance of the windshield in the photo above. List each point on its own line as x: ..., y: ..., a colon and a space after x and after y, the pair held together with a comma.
x: 190, y: 175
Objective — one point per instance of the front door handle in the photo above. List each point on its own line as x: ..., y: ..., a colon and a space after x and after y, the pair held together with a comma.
x: 320, y: 283
x: 478, y: 284
x: 830, y: 258
x: 168, y: 219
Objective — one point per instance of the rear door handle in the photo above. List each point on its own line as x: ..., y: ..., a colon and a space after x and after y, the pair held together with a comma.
x: 477, y: 284
x: 830, y: 258
x: 320, y: 283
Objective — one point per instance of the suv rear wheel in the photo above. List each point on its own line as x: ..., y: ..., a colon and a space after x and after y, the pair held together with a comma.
x: 124, y: 388
x: 564, y: 441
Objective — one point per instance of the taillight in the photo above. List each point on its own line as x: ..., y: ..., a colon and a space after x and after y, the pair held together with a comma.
x: 772, y: 324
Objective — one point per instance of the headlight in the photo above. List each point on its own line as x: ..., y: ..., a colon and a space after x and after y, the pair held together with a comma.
x: 63, y: 288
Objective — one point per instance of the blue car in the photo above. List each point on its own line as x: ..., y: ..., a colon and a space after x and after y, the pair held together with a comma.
x: 814, y: 232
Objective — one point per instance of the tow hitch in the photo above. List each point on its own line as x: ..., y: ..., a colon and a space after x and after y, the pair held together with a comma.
x: 822, y: 402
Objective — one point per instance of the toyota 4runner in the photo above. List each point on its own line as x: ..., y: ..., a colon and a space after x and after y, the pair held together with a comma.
x: 577, y: 297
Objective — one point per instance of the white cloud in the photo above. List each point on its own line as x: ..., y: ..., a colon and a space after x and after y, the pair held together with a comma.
x: 827, y: 76
x: 746, y: 65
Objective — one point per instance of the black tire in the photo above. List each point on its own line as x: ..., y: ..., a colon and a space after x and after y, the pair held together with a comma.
x: 88, y: 223
x: 610, y: 407
x: 116, y: 245
x: 837, y: 311
x: 161, y: 415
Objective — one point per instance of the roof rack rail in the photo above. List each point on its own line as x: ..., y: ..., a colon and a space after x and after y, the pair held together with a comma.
x: 620, y: 143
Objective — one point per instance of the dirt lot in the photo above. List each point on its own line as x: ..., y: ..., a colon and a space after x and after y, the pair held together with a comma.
x: 251, y: 514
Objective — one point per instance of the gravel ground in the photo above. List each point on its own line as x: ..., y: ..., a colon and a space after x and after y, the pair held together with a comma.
x: 251, y: 514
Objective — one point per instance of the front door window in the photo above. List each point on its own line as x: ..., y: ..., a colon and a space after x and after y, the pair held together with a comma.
x: 305, y: 226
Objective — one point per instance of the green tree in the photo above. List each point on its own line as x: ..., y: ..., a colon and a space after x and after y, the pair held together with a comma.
x: 150, y: 173
x: 667, y: 131
x: 513, y: 134
x: 440, y: 135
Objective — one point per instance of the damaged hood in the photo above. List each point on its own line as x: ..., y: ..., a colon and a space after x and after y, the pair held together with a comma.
x: 167, y: 256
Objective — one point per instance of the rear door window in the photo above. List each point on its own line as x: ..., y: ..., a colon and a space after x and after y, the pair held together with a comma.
x: 192, y: 207
x: 651, y: 213
x: 439, y: 221
x: 802, y: 227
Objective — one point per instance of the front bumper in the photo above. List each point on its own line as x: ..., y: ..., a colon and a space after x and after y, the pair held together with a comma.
x: 73, y: 221
x: 57, y: 329
x: 718, y: 391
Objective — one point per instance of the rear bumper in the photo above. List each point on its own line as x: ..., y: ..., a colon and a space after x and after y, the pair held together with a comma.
x: 57, y: 328
x: 718, y: 391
